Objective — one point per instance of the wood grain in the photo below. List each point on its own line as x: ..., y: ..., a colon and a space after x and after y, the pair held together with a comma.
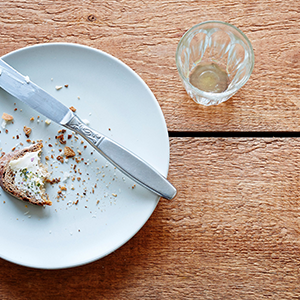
x: 144, y: 35
x: 233, y: 232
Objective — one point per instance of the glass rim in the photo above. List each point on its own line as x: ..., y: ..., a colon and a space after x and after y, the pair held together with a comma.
x: 209, y: 95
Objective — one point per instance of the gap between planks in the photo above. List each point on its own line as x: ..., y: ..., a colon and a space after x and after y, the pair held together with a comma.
x: 234, y: 134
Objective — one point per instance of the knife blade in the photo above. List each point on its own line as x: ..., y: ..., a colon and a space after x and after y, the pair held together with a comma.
x: 22, y: 88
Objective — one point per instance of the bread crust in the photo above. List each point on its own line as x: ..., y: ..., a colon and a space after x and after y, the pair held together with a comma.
x: 12, y: 189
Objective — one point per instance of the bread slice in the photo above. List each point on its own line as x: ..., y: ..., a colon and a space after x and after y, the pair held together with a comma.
x: 30, y: 186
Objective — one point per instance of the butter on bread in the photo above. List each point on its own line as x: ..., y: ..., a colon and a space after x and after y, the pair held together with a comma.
x: 25, y: 178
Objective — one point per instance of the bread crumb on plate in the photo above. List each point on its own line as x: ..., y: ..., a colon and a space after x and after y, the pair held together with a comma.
x: 68, y: 152
x: 6, y: 117
x: 27, y: 131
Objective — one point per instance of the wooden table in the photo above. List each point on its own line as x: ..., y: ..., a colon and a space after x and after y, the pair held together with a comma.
x: 233, y: 231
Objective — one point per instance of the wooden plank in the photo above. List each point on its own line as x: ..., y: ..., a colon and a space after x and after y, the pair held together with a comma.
x: 233, y: 232
x: 145, y: 34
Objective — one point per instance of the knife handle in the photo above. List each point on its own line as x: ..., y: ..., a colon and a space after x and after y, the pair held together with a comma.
x: 126, y: 161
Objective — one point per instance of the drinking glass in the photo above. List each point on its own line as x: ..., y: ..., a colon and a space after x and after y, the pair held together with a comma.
x: 219, y: 44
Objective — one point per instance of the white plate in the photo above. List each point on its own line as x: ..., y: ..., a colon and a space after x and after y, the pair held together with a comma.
x: 117, y: 103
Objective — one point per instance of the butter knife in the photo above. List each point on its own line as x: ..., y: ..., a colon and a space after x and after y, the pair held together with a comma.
x: 127, y: 162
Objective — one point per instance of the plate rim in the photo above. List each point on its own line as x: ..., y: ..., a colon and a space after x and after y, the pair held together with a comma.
x: 81, y: 262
